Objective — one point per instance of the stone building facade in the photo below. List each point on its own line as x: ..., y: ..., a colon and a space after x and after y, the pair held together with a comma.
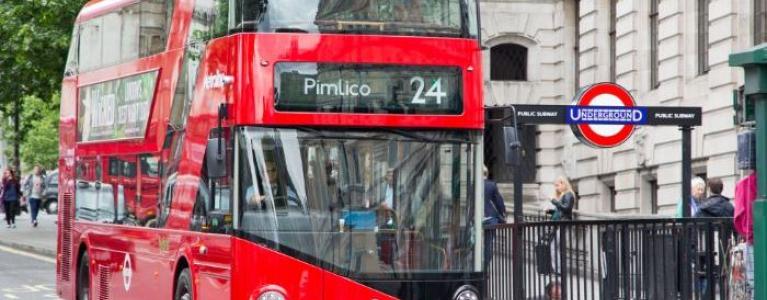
x: 665, y: 52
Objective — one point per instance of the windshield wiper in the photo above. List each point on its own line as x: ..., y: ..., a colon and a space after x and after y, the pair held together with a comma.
x: 290, y: 30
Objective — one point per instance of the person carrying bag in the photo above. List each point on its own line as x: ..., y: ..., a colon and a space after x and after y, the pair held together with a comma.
x: 11, y: 196
x: 495, y: 213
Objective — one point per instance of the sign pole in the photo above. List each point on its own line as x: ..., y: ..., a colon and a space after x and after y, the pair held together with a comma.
x: 686, y: 169
x: 686, y: 195
x: 760, y: 206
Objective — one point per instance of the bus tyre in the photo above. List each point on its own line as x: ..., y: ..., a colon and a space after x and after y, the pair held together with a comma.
x: 84, y: 278
x: 184, y: 285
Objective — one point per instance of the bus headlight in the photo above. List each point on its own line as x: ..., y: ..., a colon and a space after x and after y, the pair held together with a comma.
x: 466, y: 292
x: 271, y: 295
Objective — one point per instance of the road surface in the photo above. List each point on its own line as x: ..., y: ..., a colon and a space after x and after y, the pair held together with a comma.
x: 26, y: 276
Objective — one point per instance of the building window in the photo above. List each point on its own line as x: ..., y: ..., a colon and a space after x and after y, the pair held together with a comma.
x: 703, y: 66
x: 613, y: 55
x: 577, y: 46
x: 654, y: 83
x: 760, y: 21
x: 508, y: 62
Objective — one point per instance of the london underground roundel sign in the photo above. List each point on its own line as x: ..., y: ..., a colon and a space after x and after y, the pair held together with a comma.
x: 604, y: 115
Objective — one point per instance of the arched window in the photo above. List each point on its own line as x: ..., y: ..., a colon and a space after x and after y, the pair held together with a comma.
x: 508, y: 62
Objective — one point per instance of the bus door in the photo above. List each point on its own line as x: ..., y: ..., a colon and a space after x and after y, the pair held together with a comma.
x: 212, y: 247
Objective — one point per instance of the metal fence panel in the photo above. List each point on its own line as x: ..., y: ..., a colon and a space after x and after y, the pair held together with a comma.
x: 612, y: 259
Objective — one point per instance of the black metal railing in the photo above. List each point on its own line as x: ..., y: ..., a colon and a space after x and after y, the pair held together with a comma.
x: 612, y: 259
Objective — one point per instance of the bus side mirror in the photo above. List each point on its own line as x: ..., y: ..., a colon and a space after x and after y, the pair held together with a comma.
x: 511, y: 145
x: 215, y: 157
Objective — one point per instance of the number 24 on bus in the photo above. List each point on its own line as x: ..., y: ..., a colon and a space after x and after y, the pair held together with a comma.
x: 250, y: 149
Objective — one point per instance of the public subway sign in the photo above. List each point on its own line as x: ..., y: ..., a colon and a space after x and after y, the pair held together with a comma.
x: 604, y: 115
x: 115, y: 109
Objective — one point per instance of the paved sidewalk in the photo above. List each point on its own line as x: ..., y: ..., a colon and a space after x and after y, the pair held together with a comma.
x: 40, y: 240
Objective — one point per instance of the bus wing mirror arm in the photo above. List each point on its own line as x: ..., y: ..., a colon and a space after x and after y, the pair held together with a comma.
x: 215, y: 152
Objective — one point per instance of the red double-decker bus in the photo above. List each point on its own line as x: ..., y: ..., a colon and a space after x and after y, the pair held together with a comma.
x: 253, y: 149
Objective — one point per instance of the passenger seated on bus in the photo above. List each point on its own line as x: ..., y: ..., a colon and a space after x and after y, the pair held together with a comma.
x: 284, y: 195
x: 386, y: 202
x: 254, y: 201
x: 387, y: 190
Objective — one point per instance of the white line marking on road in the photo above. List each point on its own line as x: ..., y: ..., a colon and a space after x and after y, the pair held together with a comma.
x: 27, y: 254
x: 10, y: 296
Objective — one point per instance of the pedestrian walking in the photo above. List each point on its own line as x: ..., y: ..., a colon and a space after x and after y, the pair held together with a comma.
x: 563, y: 202
x: 495, y: 213
x: 11, y: 197
x: 554, y: 291
x: 34, y: 186
x: 742, y: 270
x: 716, y: 205
x: 697, y: 196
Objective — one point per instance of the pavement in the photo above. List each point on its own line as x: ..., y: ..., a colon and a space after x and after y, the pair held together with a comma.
x: 40, y: 240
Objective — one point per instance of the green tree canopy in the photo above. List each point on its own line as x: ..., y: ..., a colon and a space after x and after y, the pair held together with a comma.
x: 35, y: 37
x: 41, y: 145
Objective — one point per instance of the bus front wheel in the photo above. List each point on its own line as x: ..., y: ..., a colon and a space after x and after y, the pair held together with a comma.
x: 83, y: 278
x: 184, y: 285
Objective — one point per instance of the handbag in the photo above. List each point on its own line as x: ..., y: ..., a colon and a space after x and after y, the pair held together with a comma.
x: 501, y: 217
x: 543, y: 253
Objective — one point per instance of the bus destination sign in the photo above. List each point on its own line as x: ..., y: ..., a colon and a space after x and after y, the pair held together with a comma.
x: 375, y: 89
x: 115, y: 109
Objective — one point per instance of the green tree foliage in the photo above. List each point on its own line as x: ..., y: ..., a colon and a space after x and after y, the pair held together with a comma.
x: 41, y: 145
x: 35, y: 38
x: 34, y: 41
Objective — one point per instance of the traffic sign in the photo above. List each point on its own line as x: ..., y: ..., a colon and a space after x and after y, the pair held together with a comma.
x: 604, y: 116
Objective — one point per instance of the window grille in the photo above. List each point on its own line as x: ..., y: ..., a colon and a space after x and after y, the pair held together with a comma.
x: 508, y: 62
x: 654, y: 83
x: 703, y: 66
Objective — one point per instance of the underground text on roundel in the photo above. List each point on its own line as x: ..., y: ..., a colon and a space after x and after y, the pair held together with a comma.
x: 606, y: 115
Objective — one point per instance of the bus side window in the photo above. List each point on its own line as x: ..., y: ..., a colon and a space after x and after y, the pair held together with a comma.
x: 86, y: 196
x: 164, y: 206
x: 168, y: 172
x: 150, y: 169
x: 135, y: 31
x: 200, y: 211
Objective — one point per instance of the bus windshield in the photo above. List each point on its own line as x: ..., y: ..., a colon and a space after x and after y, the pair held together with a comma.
x: 407, y: 17
x: 380, y: 202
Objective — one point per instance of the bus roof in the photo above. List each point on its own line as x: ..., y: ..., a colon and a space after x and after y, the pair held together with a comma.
x: 96, y: 8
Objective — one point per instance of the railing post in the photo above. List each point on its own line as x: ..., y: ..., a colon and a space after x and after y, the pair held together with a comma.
x: 561, y: 236
x: 518, y: 265
x: 517, y: 247
x: 686, y: 283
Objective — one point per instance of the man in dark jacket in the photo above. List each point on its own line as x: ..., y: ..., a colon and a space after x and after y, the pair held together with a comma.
x: 716, y: 206
x: 495, y: 213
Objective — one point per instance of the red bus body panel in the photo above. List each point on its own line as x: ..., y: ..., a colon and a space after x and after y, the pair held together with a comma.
x: 223, y: 266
